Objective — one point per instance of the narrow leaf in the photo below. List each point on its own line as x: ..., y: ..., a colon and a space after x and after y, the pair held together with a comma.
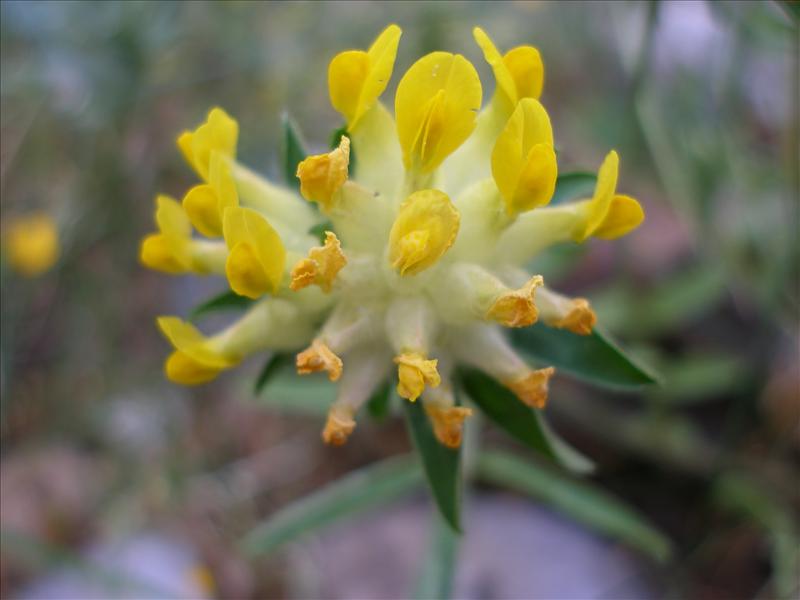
x: 349, y: 496
x: 226, y: 301
x: 583, y: 502
x: 523, y: 423
x: 593, y: 357
x: 294, y: 150
x: 573, y: 186
x: 274, y: 364
x: 438, y: 566
x: 440, y: 463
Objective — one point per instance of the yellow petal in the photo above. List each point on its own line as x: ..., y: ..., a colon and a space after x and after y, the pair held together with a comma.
x: 31, y: 244
x: 186, y: 338
x: 205, y: 204
x: 448, y: 422
x: 321, y: 266
x: 339, y: 426
x: 183, y: 369
x: 318, y: 357
x: 517, y: 308
x: 202, y: 208
x: 356, y: 79
x: 221, y: 179
x: 526, y: 68
x: 194, y: 361
x: 245, y: 272
x: 184, y: 142
x: 523, y: 160
x: 435, y: 106
x: 598, y: 207
x: 257, y: 256
x: 532, y: 387
x: 347, y: 73
x: 171, y: 218
x: 218, y: 134
x: 322, y: 175
x: 624, y: 215
x: 165, y: 253
x: 415, y: 372
x: 505, y: 82
x: 519, y: 74
x: 426, y: 226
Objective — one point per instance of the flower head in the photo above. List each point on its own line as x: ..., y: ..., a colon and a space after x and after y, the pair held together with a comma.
x: 427, y: 241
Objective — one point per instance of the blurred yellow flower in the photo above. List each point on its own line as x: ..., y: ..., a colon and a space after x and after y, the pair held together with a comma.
x: 31, y: 243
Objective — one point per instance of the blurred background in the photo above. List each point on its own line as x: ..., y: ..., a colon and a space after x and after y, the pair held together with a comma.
x: 111, y: 475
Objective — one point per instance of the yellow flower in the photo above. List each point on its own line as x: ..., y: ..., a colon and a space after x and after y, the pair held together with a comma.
x: 524, y: 160
x: 415, y: 372
x: 356, y: 79
x: 31, y: 244
x: 218, y: 134
x: 448, y: 423
x: 426, y: 226
x: 172, y: 249
x: 321, y: 266
x: 256, y: 255
x: 424, y: 263
x: 606, y: 215
x: 436, y: 104
x: 519, y: 73
x: 205, y: 204
x: 323, y: 175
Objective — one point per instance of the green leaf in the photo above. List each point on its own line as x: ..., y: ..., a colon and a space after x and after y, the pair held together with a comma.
x: 318, y: 230
x: 274, y: 364
x: 572, y: 186
x: 336, y: 137
x: 351, y: 495
x: 593, y: 357
x: 226, y: 301
x: 523, y: 423
x: 379, y: 403
x: 294, y: 150
x: 581, y: 501
x: 442, y: 465
x: 439, y: 562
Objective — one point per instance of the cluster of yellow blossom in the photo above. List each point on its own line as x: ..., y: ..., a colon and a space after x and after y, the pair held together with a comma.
x: 423, y: 264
